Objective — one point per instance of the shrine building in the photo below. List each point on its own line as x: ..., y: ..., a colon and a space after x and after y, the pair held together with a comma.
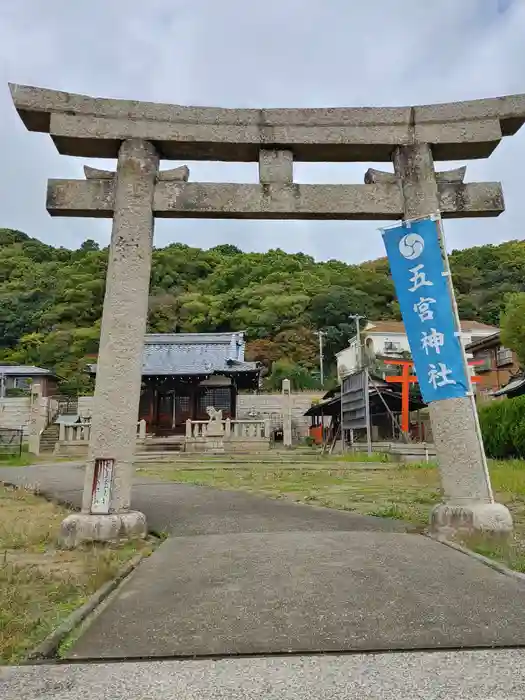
x: 184, y: 373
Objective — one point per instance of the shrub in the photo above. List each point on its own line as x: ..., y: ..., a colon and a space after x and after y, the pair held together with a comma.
x: 503, y: 427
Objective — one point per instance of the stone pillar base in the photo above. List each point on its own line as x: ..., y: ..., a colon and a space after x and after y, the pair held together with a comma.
x: 214, y: 444
x: 471, y: 521
x: 79, y: 528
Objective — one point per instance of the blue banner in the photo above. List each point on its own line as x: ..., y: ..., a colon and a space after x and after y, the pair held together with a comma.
x: 420, y: 279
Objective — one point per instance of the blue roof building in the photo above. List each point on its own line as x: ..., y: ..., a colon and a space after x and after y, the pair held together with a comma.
x: 20, y: 378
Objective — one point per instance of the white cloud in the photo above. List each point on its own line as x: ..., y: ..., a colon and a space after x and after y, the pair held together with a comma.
x: 276, y: 53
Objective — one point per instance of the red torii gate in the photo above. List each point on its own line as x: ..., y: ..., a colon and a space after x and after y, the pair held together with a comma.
x: 406, y: 379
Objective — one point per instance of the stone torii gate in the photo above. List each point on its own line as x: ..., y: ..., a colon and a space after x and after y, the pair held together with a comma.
x: 139, y: 134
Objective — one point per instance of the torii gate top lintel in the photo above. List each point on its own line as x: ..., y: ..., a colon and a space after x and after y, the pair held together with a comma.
x: 95, y: 127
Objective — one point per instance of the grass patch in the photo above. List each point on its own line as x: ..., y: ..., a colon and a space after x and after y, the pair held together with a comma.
x: 401, y: 491
x: 378, y: 457
x: 40, y: 585
x: 392, y: 510
x: 23, y: 460
x: 26, y: 459
x: 511, y: 555
x: 364, y: 491
x: 411, y: 466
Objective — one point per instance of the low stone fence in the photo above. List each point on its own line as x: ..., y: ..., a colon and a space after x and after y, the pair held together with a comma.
x: 236, y: 435
x: 400, y: 451
x: 73, y: 438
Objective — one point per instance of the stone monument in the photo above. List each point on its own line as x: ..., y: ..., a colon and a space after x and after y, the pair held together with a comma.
x: 287, y: 413
x: 215, y: 426
x: 138, y: 134
x: 37, y: 419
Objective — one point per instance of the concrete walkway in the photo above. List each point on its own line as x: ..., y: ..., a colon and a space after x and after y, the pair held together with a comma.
x: 464, y: 675
x: 183, y: 509
x: 243, y: 574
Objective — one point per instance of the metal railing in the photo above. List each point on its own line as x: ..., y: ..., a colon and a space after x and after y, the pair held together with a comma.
x: 11, y: 442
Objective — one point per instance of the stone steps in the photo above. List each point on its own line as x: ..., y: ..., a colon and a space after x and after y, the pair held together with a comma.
x: 266, y: 457
x: 49, y: 437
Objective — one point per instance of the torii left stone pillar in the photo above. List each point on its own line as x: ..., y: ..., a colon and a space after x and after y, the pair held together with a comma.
x: 106, y: 513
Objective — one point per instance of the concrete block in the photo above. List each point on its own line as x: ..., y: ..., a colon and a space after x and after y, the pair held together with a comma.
x: 92, y: 198
x: 480, y: 199
x: 483, y: 135
x: 275, y: 166
x: 247, y: 446
x: 214, y: 445
x: 71, y: 449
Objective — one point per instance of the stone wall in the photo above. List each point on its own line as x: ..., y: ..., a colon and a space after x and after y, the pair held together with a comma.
x: 15, y: 413
x: 85, y: 404
x: 271, y: 406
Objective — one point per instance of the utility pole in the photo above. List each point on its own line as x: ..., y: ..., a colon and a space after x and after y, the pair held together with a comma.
x: 321, y: 355
x: 357, y: 318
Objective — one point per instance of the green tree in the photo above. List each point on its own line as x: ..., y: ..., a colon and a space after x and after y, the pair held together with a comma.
x: 513, y: 325
x: 50, y: 297
x: 300, y: 378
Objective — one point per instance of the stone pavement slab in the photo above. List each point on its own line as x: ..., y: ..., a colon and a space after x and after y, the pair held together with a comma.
x: 462, y: 675
x: 261, y: 593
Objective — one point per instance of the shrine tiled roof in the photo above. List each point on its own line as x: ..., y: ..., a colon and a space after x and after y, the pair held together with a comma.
x: 194, y: 354
x: 399, y: 327
x: 24, y: 371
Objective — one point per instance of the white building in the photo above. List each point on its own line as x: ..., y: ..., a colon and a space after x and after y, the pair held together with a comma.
x: 389, y: 339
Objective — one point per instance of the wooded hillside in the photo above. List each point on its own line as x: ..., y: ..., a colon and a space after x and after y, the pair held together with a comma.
x: 51, y: 299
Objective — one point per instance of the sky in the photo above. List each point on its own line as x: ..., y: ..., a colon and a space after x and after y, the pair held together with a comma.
x: 271, y: 53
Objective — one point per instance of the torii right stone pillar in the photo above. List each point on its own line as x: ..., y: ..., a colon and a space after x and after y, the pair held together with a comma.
x: 469, y: 506
x: 106, y: 513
